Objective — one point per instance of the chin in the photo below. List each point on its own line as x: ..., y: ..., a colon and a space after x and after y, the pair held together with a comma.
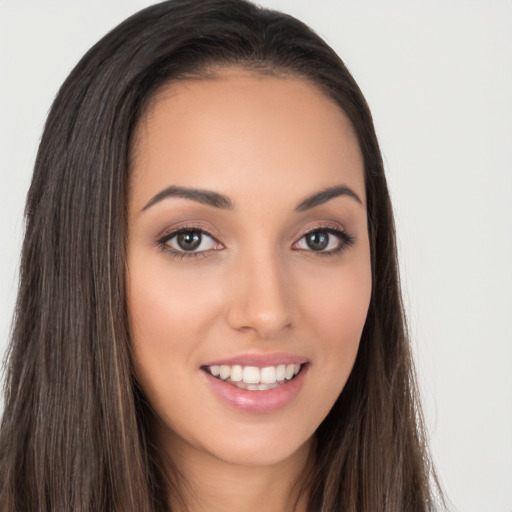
x: 256, y: 443
x: 264, y: 452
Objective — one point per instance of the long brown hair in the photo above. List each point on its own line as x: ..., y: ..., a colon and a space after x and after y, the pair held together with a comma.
x: 74, y: 432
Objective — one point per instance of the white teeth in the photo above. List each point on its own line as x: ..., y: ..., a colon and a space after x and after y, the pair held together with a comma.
x: 290, y: 370
x: 225, y: 371
x: 253, y: 378
x: 268, y: 375
x: 236, y: 373
x: 251, y: 375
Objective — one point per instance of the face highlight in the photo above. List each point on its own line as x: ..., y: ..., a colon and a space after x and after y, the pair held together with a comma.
x: 248, y: 264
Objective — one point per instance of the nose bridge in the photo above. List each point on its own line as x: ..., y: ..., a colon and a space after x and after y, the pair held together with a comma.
x: 261, y: 295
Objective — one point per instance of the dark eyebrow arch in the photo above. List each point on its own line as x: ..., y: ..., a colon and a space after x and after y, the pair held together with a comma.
x: 201, y: 196
x: 326, y: 195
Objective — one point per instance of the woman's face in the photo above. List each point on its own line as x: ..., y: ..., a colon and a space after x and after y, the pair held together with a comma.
x: 248, y: 263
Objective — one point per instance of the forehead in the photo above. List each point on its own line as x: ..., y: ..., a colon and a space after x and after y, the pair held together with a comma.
x: 240, y: 129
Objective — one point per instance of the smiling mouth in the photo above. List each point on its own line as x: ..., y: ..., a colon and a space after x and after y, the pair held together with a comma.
x: 254, y: 378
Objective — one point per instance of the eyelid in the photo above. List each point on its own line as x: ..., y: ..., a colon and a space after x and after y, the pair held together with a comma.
x: 345, y: 238
x: 320, y: 226
x: 190, y: 224
x: 170, y: 233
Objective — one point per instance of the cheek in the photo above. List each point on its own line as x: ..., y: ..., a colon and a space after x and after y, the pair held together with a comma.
x: 337, y: 300
x: 335, y: 307
x: 343, y: 310
x: 167, y: 303
x: 169, y: 317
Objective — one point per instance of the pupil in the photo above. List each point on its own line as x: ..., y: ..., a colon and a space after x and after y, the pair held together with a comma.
x: 317, y: 241
x: 189, y: 240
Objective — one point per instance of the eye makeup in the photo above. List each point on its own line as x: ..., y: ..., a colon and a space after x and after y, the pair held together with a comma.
x: 192, y: 241
x: 188, y: 241
x: 324, y: 241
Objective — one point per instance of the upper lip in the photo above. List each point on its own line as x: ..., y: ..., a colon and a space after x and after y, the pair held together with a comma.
x: 260, y: 360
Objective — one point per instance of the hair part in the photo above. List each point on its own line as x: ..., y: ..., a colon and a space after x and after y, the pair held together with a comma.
x: 76, y: 432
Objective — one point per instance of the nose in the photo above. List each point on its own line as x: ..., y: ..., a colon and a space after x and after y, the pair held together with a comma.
x: 260, y: 297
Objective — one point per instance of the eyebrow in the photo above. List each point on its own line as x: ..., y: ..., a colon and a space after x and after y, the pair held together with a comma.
x: 326, y: 195
x: 217, y: 200
x: 201, y: 196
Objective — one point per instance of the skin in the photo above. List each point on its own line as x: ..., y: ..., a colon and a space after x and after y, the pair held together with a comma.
x: 266, y: 143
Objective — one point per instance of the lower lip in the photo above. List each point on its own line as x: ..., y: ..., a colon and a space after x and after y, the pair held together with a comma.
x: 257, y: 401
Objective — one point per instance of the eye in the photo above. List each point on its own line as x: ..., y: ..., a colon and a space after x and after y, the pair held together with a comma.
x: 190, y: 241
x: 324, y: 240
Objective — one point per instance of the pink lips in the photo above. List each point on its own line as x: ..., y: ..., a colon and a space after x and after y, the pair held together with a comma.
x: 258, y: 401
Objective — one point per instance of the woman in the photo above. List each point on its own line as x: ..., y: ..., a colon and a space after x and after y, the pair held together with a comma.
x: 209, y: 314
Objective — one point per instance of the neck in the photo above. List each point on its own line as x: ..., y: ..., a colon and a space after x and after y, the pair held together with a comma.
x: 214, y: 485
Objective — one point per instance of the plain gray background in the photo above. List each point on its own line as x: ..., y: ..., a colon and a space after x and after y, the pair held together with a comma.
x: 438, y: 78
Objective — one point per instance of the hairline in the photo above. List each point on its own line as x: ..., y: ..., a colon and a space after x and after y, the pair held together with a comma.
x: 220, y: 71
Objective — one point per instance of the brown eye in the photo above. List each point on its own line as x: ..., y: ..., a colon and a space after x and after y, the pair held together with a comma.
x: 326, y: 241
x: 317, y: 241
x: 189, y: 240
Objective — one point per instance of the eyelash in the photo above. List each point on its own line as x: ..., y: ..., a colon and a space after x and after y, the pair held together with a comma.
x: 166, y: 238
x: 345, y: 241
